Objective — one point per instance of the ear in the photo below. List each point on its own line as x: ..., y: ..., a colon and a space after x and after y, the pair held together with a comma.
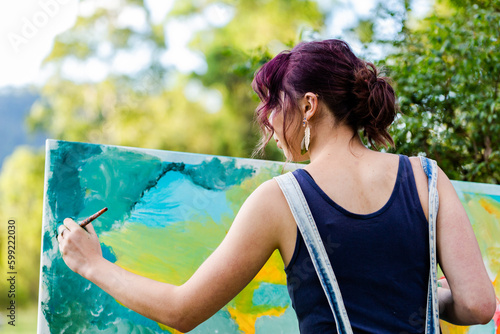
x: 309, y: 105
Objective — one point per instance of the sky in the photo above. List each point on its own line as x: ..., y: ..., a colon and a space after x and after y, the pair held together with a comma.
x: 28, y: 29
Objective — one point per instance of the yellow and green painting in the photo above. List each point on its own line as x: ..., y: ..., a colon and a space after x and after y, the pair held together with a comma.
x: 167, y: 212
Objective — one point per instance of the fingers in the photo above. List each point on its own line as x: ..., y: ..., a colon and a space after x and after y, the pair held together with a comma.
x: 65, y: 228
x: 90, y: 228
x: 69, y: 225
x: 61, y: 229
x: 60, y: 232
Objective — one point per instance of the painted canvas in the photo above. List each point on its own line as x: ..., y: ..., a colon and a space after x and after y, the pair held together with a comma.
x: 167, y: 212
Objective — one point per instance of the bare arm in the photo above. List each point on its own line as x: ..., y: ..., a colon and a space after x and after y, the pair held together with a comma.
x: 467, y: 296
x: 249, y: 243
x: 470, y: 298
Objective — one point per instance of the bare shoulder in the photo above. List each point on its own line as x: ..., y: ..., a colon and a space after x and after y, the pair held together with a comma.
x: 448, y: 197
x: 418, y: 171
x: 267, y: 198
x: 444, y: 185
x: 271, y: 213
x: 266, y: 208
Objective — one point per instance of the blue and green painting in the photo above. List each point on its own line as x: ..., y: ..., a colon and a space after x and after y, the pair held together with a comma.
x: 167, y: 212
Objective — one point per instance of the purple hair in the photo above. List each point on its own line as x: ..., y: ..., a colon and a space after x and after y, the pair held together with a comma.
x: 349, y: 86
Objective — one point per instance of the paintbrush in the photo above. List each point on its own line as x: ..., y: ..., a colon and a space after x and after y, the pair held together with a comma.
x: 93, y: 217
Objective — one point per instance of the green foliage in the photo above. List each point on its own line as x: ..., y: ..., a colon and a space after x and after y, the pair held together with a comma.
x: 150, y: 108
x: 364, y: 30
x: 21, y: 198
x: 447, y: 75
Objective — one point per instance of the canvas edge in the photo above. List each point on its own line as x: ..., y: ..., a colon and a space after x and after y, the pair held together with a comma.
x: 476, y: 187
x: 186, y: 157
x: 42, y: 325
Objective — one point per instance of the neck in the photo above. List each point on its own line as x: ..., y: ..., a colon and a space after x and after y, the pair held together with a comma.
x: 334, y: 144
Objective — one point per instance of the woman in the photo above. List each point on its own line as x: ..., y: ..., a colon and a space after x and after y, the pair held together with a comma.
x: 370, y: 208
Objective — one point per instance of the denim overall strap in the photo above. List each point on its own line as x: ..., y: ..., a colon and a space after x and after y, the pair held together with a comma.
x: 305, y: 221
x: 432, y: 314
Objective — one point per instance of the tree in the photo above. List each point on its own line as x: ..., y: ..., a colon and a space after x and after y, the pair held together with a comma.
x: 447, y: 75
x: 21, y: 198
x: 152, y: 105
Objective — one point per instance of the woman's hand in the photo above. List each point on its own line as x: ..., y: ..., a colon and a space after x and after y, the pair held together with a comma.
x: 79, y: 246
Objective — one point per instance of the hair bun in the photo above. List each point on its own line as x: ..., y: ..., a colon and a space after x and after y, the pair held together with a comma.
x: 375, y: 109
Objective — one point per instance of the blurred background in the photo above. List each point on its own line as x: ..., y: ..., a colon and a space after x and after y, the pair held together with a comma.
x: 175, y: 75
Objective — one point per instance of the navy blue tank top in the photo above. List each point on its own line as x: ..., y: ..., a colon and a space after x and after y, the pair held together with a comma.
x: 381, y: 261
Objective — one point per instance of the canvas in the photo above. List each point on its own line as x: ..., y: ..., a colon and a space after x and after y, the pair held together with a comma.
x: 167, y: 212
